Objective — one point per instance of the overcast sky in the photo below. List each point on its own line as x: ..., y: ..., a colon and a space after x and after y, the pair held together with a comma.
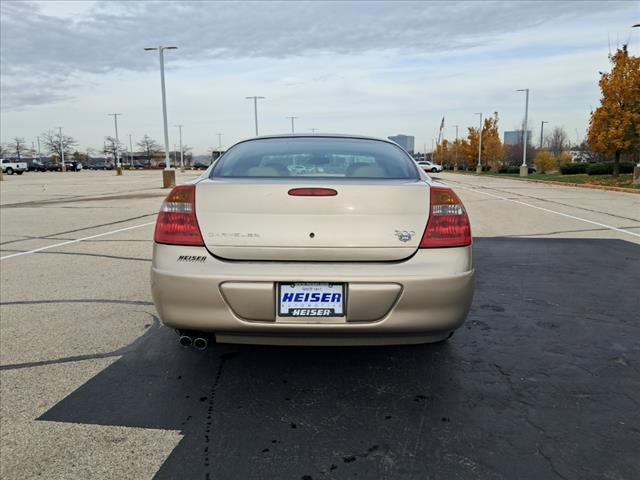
x: 369, y: 68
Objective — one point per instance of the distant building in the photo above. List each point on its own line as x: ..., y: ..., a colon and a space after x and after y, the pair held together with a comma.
x: 514, y: 137
x: 405, y: 141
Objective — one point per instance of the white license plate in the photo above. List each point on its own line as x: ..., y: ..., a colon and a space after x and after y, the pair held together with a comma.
x: 311, y: 299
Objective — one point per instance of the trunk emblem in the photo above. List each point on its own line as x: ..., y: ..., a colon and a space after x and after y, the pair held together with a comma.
x: 404, y: 236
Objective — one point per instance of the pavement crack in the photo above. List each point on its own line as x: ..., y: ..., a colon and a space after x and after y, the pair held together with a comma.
x: 78, y: 300
x: 224, y: 358
x: 81, y: 254
x: 48, y: 237
x: 551, y: 464
x: 92, y: 356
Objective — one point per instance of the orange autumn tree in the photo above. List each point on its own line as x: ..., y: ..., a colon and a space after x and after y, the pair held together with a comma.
x: 614, y: 127
x: 444, y: 154
x: 492, y: 150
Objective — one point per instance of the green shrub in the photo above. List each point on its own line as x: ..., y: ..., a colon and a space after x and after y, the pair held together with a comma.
x: 573, y: 168
x: 607, y: 168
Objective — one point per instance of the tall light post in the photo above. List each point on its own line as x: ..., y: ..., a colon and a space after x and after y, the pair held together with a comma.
x: 219, y: 142
x: 62, y: 165
x: 313, y: 130
x: 168, y: 175
x: 541, y: 132
x: 293, y: 119
x: 455, y: 164
x: 479, y: 166
x: 117, y: 149
x: 39, y: 155
x: 130, y: 151
x: 181, y: 152
x: 524, y: 170
x: 255, y: 109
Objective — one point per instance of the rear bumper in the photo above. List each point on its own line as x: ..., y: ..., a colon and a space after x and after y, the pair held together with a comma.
x: 418, y: 300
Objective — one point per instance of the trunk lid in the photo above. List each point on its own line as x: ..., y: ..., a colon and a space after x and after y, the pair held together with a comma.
x: 258, y: 219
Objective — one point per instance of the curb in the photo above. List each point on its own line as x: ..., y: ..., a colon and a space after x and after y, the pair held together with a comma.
x: 565, y: 184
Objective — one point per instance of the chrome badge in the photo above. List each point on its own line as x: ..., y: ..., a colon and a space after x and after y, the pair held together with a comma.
x: 404, y: 236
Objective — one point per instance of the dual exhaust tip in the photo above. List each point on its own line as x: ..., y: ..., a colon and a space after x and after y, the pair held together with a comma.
x: 199, y: 343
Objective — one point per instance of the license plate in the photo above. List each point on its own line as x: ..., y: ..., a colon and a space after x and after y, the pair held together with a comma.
x: 311, y: 299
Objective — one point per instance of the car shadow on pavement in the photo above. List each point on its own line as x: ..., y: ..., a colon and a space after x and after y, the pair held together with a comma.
x: 541, y: 378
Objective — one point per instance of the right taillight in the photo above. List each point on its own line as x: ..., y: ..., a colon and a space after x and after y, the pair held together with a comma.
x: 448, y: 224
x: 177, y: 223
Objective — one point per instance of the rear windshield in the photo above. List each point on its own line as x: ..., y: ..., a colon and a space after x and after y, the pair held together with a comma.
x: 316, y: 157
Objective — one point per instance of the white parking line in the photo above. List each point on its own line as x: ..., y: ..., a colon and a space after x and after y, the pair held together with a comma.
x: 610, y: 227
x: 69, y: 242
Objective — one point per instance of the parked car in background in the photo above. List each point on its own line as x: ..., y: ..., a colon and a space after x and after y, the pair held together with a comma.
x: 100, y: 165
x: 199, y: 165
x: 70, y: 166
x: 10, y: 166
x: 36, y: 166
x: 428, y: 166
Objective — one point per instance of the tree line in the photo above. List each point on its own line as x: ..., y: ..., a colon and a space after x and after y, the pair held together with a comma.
x: 53, y: 144
x: 613, y: 133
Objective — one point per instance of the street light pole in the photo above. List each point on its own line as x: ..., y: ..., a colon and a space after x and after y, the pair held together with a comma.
x: 255, y: 109
x: 130, y: 151
x: 219, y: 142
x: 455, y: 165
x: 117, y: 148
x: 524, y: 171
x: 479, y: 166
x: 541, y: 131
x: 181, y: 152
x: 293, y: 119
x: 62, y: 166
x: 39, y: 155
x: 313, y: 130
x: 168, y: 175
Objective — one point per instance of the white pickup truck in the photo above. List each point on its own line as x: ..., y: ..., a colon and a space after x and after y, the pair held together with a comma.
x: 10, y: 167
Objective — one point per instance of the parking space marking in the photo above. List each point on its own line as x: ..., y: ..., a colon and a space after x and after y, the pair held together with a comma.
x: 610, y: 227
x: 69, y: 242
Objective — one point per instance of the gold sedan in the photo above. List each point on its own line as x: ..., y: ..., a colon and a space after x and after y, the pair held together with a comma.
x: 313, y: 240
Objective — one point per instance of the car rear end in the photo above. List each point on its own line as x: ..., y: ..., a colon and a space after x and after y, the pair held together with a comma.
x: 313, y: 240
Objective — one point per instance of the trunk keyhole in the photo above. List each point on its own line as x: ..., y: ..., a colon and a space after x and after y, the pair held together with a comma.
x: 311, y: 235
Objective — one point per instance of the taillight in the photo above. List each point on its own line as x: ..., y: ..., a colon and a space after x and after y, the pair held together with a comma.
x: 177, y: 223
x: 448, y: 224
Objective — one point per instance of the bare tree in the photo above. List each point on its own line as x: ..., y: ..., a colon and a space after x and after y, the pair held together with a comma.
x: 52, y: 143
x: 188, y: 156
x: 557, y: 141
x: 149, y: 146
x: 18, y: 146
x: 111, y: 147
x: 4, y: 151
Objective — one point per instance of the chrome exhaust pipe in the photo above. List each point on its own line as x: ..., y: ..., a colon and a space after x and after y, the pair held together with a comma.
x: 200, y: 343
x: 186, y: 341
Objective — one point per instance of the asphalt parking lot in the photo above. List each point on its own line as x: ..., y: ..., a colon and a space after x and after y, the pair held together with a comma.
x: 543, y: 381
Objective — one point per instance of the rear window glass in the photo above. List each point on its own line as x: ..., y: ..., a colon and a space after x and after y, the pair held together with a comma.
x: 316, y: 157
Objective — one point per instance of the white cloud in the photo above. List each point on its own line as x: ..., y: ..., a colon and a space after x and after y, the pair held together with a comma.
x: 379, y: 68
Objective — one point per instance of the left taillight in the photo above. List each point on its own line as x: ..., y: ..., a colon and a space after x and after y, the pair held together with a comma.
x: 177, y: 223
